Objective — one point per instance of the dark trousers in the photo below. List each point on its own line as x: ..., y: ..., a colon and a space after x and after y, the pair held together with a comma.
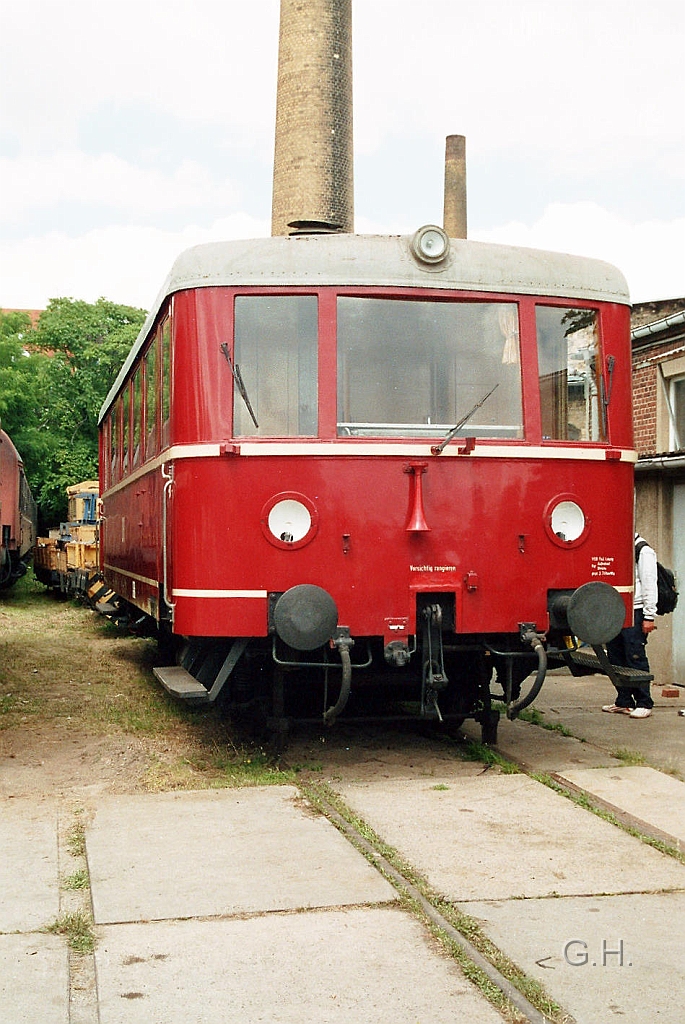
x: 629, y: 650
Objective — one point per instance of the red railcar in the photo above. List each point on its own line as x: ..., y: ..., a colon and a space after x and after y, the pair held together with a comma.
x: 338, y: 461
x: 17, y: 515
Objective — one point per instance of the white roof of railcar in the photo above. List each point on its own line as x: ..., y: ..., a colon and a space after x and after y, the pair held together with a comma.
x: 383, y: 261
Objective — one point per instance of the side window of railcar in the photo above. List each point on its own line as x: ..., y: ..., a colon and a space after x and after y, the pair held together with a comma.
x: 275, y: 347
x: 151, y: 400
x: 415, y: 367
x: 569, y: 372
x: 126, y: 428
x: 164, y: 335
x: 137, y: 416
x: 106, y: 449
x: 115, y: 417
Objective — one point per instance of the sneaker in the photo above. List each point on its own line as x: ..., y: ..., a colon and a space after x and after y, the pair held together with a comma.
x: 614, y: 709
x: 641, y: 713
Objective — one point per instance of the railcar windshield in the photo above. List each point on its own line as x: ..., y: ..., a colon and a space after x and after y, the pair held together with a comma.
x: 276, y: 339
x: 570, y: 383
x: 415, y: 367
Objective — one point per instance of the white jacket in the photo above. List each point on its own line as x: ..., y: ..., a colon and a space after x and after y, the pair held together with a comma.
x: 645, y: 580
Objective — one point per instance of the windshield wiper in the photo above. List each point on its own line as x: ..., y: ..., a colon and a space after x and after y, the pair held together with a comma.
x: 605, y: 391
x: 238, y: 378
x: 437, y: 449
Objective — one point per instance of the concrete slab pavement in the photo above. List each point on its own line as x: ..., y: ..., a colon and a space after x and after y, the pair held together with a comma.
x: 34, y: 979
x: 603, y: 958
x: 353, y: 965
x: 575, y: 902
x: 594, y: 758
x: 246, y: 867
x: 497, y: 836
x: 223, y: 852
x: 34, y: 966
x: 576, y: 702
x: 245, y: 904
x: 655, y: 800
x: 542, y: 750
x: 28, y: 865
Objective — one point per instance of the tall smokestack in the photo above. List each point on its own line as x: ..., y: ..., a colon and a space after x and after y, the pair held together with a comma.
x: 313, y: 172
x: 454, y: 216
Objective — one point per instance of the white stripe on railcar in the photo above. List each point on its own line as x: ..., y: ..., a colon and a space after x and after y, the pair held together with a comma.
x: 184, y: 592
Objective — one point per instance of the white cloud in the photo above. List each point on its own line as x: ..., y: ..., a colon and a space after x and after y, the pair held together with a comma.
x: 36, y: 182
x: 125, y: 264
x: 210, y: 60
x: 650, y: 254
x: 584, y: 84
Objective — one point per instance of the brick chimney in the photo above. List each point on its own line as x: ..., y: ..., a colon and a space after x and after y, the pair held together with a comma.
x: 454, y: 216
x: 313, y: 171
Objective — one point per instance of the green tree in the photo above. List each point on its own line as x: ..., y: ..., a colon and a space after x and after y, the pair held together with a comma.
x: 55, y: 393
x: 16, y: 368
x: 20, y: 398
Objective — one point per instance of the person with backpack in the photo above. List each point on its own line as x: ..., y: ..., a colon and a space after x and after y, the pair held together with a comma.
x: 629, y: 648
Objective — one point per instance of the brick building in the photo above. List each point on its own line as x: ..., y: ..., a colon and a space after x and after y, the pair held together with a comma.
x: 658, y: 344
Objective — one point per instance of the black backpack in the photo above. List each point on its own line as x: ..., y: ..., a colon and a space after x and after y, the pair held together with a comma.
x: 667, y: 593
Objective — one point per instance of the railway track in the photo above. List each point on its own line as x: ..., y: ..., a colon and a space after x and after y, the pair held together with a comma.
x: 444, y: 921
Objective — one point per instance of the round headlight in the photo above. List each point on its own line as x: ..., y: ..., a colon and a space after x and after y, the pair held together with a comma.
x: 568, y: 521
x: 289, y: 520
x: 430, y: 244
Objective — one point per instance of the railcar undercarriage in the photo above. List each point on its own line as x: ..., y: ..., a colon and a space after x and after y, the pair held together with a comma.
x: 310, y: 669
x: 439, y: 680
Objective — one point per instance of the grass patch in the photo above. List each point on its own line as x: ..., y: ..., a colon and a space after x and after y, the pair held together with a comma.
x: 23, y: 593
x: 254, y: 766
x: 78, y: 929
x: 473, y: 751
x: 79, y: 880
x: 62, y: 663
x: 76, y: 840
x: 220, y: 765
x: 147, y: 710
x: 15, y: 708
x: 627, y: 756
x: 536, y: 717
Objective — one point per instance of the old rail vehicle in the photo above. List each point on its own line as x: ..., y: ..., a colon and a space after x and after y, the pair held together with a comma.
x: 335, y: 466
x: 17, y: 515
x: 66, y: 560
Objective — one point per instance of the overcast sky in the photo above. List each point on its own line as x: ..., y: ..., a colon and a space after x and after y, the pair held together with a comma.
x: 131, y: 130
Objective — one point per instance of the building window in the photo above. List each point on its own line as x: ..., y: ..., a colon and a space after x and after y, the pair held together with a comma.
x: 677, y: 419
